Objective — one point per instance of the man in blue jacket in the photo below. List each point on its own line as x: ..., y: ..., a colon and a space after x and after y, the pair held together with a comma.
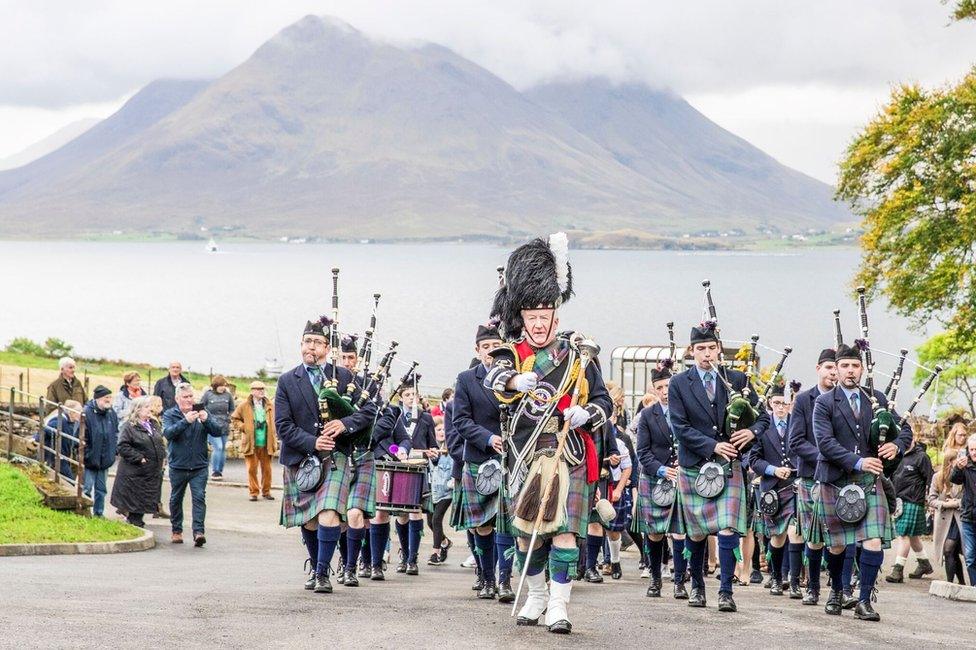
x: 698, y: 399
x: 803, y: 446
x: 476, y: 419
x: 186, y: 428
x: 101, y: 438
x: 842, y: 425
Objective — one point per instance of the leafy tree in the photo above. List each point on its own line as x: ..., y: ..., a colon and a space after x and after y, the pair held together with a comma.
x: 964, y: 9
x: 55, y: 347
x: 957, y: 354
x: 23, y: 345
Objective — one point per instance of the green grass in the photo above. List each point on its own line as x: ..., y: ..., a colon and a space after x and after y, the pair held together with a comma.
x: 117, y: 368
x: 23, y: 520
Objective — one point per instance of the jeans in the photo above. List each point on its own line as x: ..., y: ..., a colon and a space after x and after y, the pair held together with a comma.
x: 968, y: 533
x: 219, y: 455
x: 96, y: 478
x: 197, y: 480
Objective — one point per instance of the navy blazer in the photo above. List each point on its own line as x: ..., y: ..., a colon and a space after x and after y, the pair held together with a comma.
x: 476, y: 415
x: 387, y: 431
x: 770, y: 450
x: 655, y: 443
x: 423, y: 433
x: 297, y: 422
x: 696, y: 423
x: 455, y: 443
x: 842, y: 439
x: 803, y: 444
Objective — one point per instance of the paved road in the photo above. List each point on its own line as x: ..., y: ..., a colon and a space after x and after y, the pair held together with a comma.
x: 244, y: 590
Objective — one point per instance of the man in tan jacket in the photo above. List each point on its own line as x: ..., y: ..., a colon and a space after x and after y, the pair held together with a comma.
x: 66, y: 386
x: 254, y: 419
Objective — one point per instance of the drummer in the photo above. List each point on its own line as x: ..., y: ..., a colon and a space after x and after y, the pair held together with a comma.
x: 410, y: 526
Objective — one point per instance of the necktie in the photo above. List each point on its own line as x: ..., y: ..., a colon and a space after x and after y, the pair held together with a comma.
x: 781, y: 425
x: 856, y: 405
x: 710, y: 386
x: 315, y: 375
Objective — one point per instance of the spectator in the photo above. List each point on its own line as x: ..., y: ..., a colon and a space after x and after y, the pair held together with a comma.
x: 446, y: 397
x: 945, y: 500
x: 187, y: 430
x: 156, y: 414
x: 964, y: 474
x: 67, y: 422
x: 139, y: 479
x: 166, y: 387
x: 66, y: 386
x: 911, y: 481
x: 441, y: 492
x: 254, y: 418
x: 219, y: 404
x: 101, y: 438
x: 131, y: 389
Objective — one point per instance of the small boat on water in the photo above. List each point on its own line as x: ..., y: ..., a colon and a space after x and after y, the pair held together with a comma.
x: 211, y: 246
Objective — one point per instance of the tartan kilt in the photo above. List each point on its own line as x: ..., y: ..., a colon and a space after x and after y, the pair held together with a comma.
x: 476, y: 508
x: 755, y: 518
x: 298, y: 508
x: 362, y: 493
x: 697, y: 516
x: 652, y: 519
x: 876, y: 524
x: 912, y: 520
x: 456, y: 506
x: 579, y: 502
x: 625, y: 512
x: 779, y: 524
x: 809, y: 526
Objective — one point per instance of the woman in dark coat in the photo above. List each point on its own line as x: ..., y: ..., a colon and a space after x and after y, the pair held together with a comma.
x: 138, y: 480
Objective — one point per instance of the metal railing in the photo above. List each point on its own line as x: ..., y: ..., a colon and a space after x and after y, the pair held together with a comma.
x: 58, y: 437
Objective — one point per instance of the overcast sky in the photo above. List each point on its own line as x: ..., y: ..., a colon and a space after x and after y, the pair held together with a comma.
x: 795, y: 78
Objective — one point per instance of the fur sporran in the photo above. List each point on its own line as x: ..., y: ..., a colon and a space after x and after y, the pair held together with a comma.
x: 530, y: 497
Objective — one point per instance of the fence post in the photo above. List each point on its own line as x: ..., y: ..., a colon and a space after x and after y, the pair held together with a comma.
x: 80, y: 469
x: 20, y: 386
x: 10, y: 426
x: 28, y: 380
x: 40, y: 430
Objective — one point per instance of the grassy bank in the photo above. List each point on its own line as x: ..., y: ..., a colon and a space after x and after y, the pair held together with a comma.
x: 23, y: 520
x: 42, y: 370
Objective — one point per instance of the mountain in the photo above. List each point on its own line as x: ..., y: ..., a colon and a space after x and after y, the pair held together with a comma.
x: 324, y: 131
x: 48, y: 144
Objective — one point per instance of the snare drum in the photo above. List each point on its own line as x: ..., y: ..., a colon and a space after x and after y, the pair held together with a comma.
x: 401, y: 487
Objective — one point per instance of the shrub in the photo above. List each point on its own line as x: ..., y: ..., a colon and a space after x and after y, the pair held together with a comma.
x: 23, y: 345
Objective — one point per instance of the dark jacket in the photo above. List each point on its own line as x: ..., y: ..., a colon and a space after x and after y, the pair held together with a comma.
x: 771, y: 451
x: 699, y: 425
x: 388, y: 431
x: 423, y: 436
x: 165, y: 390
x: 101, y: 437
x: 297, y: 414
x: 69, y: 448
x: 913, y: 475
x: 455, y: 443
x: 655, y: 444
x: 138, y: 484
x: 841, y: 439
x: 61, y: 390
x: 188, y: 448
x: 475, y: 415
x: 220, y: 406
x: 966, y: 477
x: 803, y: 444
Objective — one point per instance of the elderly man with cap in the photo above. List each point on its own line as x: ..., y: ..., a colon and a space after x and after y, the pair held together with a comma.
x: 710, y: 504
x: 803, y: 446
x: 842, y: 421
x: 253, y: 419
x: 101, y: 440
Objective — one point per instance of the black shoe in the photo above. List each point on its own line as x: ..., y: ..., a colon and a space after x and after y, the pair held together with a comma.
x: 364, y: 570
x: 697, y: 598
x: 561, y: 627
x: 376, y: 573
x: 443, y: 551
x: 755, y: 578
x: 435, y: 559
x: 615, y: 571
x: 341, y: 576
x: 401, y: 567
x: 351, y: 580
x: 680, y: 593
x: 521, y: 620
x: 322, y: 584
x: 726, y: 603
x: 487, y: 592
x: 505, y: 593
x: 310, y: 581
x: 811, y: 597
x: 864, y: 611
x: 654, y: 588
x: 412, y: 569
x: 592, y: 575
x: 769, y: 583
x: 835, y: 603
x: 776, y: 588
x: 479, y: 583
x: 795, y: 593
x: 848, y: 600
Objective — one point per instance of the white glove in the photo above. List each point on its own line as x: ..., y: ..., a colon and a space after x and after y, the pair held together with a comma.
x: 577, y: 416
x: 526, y: 381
